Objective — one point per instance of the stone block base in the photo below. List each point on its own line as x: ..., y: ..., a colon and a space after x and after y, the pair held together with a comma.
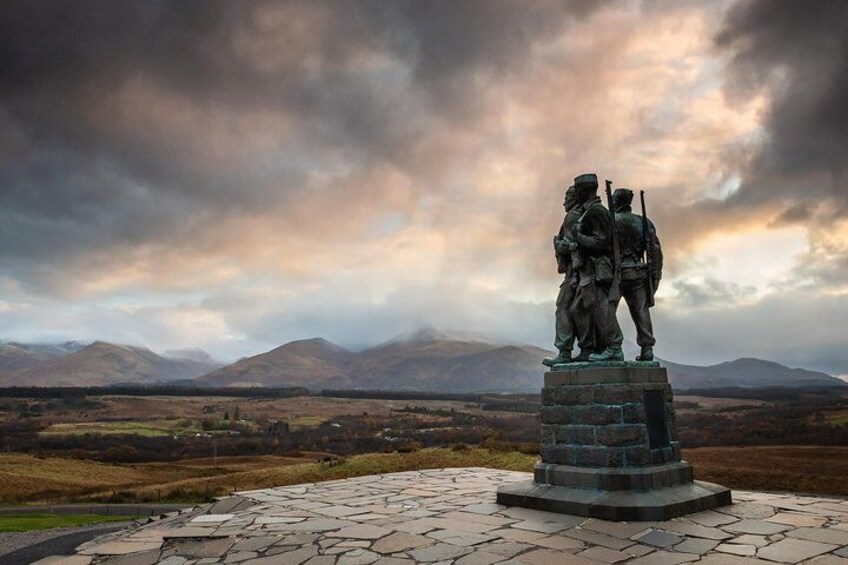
x: 619, y: 505
x: 636, y: 478
x: 617, y: 417
x: 609, y: 448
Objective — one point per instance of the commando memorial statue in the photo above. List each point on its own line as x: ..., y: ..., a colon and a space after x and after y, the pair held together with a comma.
x: 609, y: 446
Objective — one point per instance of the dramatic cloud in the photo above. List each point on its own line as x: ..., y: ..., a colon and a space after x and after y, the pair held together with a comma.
x: 798, y: 56
x: 237, y: 174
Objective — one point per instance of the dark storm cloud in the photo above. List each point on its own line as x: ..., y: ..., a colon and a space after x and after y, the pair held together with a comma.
x: 72, y: 180
x: 798, y: 53
x: 795, y: 54
x: 798, y: 214
x: 113, y: 114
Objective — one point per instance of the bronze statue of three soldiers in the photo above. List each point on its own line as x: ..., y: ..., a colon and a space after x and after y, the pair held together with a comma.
x: 604, y: 257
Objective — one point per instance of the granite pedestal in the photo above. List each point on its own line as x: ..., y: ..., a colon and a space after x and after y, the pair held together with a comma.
x: 610, y: 450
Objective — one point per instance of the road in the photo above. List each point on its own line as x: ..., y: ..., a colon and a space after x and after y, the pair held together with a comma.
x: 101, y: 509
x: 62, y: 544
x: 23, y: 548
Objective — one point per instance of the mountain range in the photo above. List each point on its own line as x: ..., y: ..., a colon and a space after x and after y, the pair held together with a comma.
x: 314, y: 363
x: 15, y: 356
x: 747, y: 372
x: 97, y: 364
x: 425, y: 360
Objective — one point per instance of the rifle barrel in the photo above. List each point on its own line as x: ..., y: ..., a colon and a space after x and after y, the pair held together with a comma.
x: 646, y: 243
x: 614, y: 289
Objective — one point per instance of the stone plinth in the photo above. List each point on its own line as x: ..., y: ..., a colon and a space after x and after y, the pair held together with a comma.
x: 610, y: 450
x: 599, y: 417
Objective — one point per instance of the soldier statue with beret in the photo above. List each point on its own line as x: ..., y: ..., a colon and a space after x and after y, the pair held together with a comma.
x: 591, y: 240
x: 568, y: 328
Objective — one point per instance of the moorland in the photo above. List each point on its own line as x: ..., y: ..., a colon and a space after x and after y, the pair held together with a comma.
x: 142, y: 444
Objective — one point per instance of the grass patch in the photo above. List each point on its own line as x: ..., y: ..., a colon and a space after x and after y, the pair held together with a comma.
x: 27, y: 522
x: 368, y: 464
x: 28, y: 479
x: 306, y: 421
x: 837, y: 418
x: 153, y: 428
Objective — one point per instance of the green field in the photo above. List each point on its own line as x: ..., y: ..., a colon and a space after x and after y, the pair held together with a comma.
x: 837, y: 417
x: 306, y: 421
x: 27, y: 522
x: 152, y: 428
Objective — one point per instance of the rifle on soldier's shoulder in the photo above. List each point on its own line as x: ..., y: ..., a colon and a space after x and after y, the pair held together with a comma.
x: 647, y: 244
x: 615, y: 287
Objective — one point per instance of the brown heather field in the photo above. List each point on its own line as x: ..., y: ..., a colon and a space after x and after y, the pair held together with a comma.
x: 800, y: 469
x: 310, y: 410
x: 821, y: 470
x: 26, y: 479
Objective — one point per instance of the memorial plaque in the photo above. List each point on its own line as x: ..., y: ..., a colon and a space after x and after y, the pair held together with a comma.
x: 655, y: 419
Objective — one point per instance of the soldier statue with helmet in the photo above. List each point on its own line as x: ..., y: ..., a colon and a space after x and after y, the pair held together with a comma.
x: 641, y: 262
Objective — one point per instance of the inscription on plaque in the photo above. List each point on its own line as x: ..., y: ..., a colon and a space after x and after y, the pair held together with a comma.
x: 655, y: 416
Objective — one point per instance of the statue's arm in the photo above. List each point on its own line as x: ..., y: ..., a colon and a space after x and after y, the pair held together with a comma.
x: 561, y: 240
x: 596, y: 237
x: 656, y: 253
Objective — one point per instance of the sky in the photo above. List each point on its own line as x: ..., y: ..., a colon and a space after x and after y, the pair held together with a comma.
x: 236, y: 175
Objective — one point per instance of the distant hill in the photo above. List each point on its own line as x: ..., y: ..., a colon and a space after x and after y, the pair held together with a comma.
x: 745, y: 372
x: 436, y: 361
x: 15, y: 356
x: 426, y: 360
x: 429, y: 360
x: 103, y: 364
x: 312, y: 363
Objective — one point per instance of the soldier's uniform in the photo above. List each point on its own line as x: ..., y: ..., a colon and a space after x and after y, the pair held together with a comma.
x: 593, y: 236
x: 634, y: 270
x: 567, y: 328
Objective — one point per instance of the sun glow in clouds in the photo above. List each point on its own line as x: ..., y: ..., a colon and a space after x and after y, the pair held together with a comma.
x: 759, y: 260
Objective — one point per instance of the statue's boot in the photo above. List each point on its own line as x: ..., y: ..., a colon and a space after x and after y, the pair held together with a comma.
x: 584, y: 355
x: 611, y: 353
x: 563, y: 357
x: 647, y: 354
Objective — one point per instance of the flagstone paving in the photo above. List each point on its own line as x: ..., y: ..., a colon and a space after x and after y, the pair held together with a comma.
x: 449, y: 516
